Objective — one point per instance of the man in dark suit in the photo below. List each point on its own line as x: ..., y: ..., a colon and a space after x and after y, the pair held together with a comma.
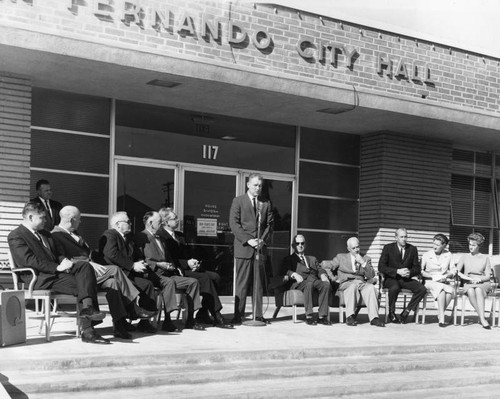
x: 250, y: 215
x: 355, y: 276
x: 178, y: 252
x: 307, y: 276
x: 52, y: 207
x: 165, y: 273
x: 116, y: 247
x: 32, y: 247
x: 121, y: 294
x: 399, y: 263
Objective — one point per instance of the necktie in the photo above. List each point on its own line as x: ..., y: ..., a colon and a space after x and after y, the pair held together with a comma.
x: 402, y: 253
x: 303, y: 259
x: 254, y: 205
x: 47, y: 206
x: 158, y: 243
x: 37, y: 235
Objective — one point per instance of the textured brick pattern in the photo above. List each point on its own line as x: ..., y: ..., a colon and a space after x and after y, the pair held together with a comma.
x: 404, y: 182
x: 15, y: 137
x: 464, y: 79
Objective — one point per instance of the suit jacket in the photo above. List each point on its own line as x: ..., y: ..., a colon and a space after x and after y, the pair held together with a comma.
x: 176, y: 250
x: 342, y: 265
x: 55, y: 207
x: 67, y: 245
x: 390, y: 260
x: 151, y: 253
x: 28, y: 251
x: 292, y: 264
x: 244, y: 225
x: 115, y: 250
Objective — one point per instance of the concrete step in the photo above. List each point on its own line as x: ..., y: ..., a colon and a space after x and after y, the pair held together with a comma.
x: 388, y: 367
x: 462, y: 382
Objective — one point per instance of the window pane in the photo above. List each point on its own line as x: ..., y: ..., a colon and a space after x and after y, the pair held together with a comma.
x: 91, y: 230
x: 462, y: 197
x: 87, y: 193
x: 63, y: 151
x: 331, y: 180
x: 329, y: 146
x: 141, y: 189
x: 324, y: 246
x: 69, y: 111
x: 328, y: 214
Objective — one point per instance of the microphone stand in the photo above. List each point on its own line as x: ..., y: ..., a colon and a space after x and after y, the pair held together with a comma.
x: 256, y: 278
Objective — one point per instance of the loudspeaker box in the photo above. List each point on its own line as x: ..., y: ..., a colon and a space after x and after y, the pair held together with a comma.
x: 12, y: 318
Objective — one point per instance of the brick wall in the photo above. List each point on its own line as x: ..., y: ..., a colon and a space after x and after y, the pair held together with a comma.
x: 15, y: 143
x: 461, y: 78
x: 404, y: 182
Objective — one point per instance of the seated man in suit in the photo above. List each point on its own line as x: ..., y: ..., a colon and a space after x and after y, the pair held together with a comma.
x: 177, y: 253
x: 355, y: 277
x: 152, y: 248
x: 399, y: 263
x: 116, y: 247
x: 52, y: 207
x: 33, y: 247
x: 123, y: 297
x: 308, y: 276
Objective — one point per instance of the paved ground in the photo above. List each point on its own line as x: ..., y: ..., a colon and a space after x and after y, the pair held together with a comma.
x: 282, y: 334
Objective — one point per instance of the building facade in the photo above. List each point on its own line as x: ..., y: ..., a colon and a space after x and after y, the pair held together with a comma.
x: 135, y: 105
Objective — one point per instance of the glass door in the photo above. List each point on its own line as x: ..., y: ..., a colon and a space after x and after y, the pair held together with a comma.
x: 141, y: 188
x: 207, y: 200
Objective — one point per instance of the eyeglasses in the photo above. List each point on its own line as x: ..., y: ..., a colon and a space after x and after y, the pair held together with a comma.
x: 300, y: 243
x: 123, y: 221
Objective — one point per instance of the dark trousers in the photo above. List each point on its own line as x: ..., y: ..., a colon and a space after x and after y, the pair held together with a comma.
x: 120, y: 291
x: 80, y: 282
x: 244, y: 280
x: 208, y: 289
x: 324, y: 293
x: 395, y: 285
x: 146, y: 288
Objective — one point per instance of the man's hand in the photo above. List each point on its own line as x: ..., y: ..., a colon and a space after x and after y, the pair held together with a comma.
x: 297, y: 277
x: 99, y: 269
x: 358, y: 258
x: 324, y: 278
x: 193, y: 264
x: 65, y: 266
x: 405, y: 272
x: 165, y: 265
x: 140, y: 267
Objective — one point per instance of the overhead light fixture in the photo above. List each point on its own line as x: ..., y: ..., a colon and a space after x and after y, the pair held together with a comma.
x: 335, y: 111
x: 228, y: 138
x: 163, y: 83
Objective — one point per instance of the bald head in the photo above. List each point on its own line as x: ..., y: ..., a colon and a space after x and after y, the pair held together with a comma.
x: 70, y: 218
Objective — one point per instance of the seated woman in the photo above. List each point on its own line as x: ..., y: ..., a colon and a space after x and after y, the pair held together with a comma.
x: 437, y: 273
x: 475, y: 269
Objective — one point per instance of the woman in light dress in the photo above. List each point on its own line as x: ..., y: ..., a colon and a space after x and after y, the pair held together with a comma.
x: 437, y: 272
x: 475, y: 269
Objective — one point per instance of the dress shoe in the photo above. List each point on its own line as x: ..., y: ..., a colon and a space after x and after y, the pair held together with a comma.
x: 146, y: 326
x: 121, y: 333
x: 92, y: 337
x: 220, y: 322
x: 311, y: 322
x: 351, y: 322
x: 168, y: 326
x: 377, y: 322
x: 129, y: 326
x: 142, y: 313
x: 443, y: 325
x: 324, y: 321
x: 403, y: 317
x: 204, y: 318
x: 192, y: 325
x: 486, y: 327
x: 90, y: 313
x: 261, y: 319
x: 236, y: 321
x: 393, y: 318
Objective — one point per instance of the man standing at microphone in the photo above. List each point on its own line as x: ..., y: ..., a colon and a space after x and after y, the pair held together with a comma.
x: 247, y: 212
